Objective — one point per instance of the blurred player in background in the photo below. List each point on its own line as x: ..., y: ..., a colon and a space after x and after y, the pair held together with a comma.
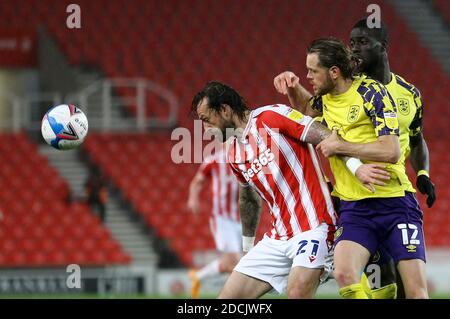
x: 269, y: 155
x: 370, y: 46
x: 363, y: 113
x: 97, y: 192
x: 224, y: 222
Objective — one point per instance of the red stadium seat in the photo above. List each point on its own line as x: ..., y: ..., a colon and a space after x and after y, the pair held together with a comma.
x: 39, y: 227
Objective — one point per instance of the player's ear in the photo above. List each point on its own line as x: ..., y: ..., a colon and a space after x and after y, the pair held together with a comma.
x: 226, y: 111
x: 384, y: 46
x: 334, y: 72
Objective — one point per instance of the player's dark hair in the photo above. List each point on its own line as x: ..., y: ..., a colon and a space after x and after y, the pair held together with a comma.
x: 381, y: 33
x: 219, y: 94
x: 333, y: 52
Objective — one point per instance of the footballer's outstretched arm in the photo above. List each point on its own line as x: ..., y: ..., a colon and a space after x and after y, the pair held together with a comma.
x: 385, y: 149
x: 367, y: 173
x: 287, y: 83
x: 317, y: 132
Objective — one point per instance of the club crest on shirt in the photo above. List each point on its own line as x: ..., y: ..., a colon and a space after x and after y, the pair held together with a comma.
x: 403, y: 106
x: 353, y: 113
x: 295, y: 115
x: 391, y: 120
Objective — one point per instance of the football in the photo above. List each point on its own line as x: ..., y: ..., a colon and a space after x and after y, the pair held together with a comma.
x: 64, y: 127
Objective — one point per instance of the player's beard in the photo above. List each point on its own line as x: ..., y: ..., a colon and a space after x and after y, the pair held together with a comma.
x: 326, y: 87
x: 224, y: 131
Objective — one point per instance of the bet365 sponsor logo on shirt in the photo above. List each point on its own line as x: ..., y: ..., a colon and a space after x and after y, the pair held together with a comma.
x: 258, y: 164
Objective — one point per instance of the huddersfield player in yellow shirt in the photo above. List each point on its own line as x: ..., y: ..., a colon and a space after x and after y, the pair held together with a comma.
x: 370, y: 46
x: 363, y: 114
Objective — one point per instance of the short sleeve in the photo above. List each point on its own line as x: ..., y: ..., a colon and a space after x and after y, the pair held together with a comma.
x: 287, y: 121
x: 381, y: 109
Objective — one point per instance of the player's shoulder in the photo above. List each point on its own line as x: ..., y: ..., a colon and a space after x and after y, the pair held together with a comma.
x: 370, y: 84
x: 370, y: 89
x: 408, y: 86
x: 268, y: 110
x: 270, y: 114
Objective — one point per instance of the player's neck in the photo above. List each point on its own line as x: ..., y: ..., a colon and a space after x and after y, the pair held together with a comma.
x: 380, y: 71
x: 241, y: 123
x: 342, y: 86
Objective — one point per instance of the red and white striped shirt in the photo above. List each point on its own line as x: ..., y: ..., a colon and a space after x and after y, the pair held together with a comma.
x: 272, y: 157
x: 225, y: 187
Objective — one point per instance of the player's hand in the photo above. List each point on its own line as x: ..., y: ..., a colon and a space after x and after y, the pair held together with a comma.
x: 372, y: 174
x: 285, y: 80
x: 330, y: 145
x: 426, y: 187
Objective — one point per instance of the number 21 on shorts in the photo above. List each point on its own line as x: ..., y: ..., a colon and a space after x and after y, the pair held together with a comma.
x: 302, y: 249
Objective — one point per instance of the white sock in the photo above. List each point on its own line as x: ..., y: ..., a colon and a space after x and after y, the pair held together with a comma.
x: 211, y: 269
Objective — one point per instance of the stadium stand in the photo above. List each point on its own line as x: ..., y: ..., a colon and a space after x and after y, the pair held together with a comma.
x: 183, y: 44
x: 39, y: 226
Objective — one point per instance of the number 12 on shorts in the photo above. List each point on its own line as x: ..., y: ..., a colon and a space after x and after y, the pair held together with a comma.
x: 405, y: 238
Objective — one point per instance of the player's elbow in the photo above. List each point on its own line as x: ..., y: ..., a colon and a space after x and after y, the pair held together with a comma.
x: 393, y: 155
x: 391, y: 149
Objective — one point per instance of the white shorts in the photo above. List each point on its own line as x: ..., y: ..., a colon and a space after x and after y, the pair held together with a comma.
x: 271, y: 260
x: 227, y: 234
